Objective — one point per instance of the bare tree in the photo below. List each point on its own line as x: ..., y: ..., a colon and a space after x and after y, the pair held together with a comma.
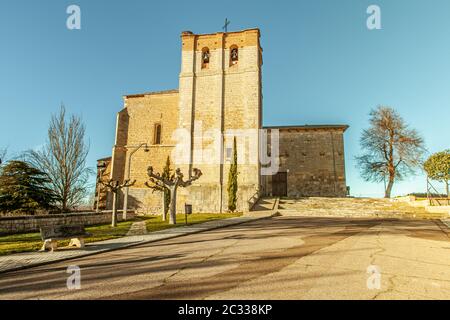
x: 3, y: 153
x: 172, y: 183
x: 391, y: 149
x: 63, y: 158
x: 158, y: 185
x: 114, y: 186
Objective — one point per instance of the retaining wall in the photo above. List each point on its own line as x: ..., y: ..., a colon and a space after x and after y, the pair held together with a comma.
x: 22, y: 224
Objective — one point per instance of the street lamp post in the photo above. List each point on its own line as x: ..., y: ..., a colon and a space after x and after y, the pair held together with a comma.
x: 125, y: 199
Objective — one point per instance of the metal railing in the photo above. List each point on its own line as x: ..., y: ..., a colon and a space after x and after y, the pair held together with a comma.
x: 254, y: 199
x: 435, y: 200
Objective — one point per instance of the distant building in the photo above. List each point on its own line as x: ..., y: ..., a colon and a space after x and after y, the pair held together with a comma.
x: 101, y: 195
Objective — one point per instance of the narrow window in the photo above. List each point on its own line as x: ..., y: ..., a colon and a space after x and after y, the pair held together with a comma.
x: 234, y: 55
x: 205, y: 58
x: 157, y: 139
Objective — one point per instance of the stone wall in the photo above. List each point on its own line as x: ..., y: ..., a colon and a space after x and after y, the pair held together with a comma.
x: 135, y: 126
x: 22, y: 224
x: 138, y: 127
x: 430, y: 205
x: 313, y: 157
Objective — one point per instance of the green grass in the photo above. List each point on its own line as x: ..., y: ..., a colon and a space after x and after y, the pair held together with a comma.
x: 155, y: 223
x: 28, y: 242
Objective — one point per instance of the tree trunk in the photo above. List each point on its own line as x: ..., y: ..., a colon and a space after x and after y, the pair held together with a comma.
x: 448, y: 194
x: 391, y: 166
x: 164, y: 207
x: 98, y: 197
x: 387, y: 194
x: 114, y: 211
x: 446, y: 189
x: 63, y: 205
x: 173, y: 205
x: 125, y: 204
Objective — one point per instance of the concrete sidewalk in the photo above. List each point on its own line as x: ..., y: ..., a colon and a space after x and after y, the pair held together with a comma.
x: 30, y: 259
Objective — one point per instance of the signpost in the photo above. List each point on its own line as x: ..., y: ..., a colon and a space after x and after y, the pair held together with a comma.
x: 187, y: 210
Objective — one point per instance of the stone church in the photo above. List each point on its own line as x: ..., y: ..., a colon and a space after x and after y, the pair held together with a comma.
x: 219, y: 99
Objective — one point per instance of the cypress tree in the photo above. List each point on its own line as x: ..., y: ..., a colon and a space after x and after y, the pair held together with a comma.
x: 166, y: 174
x: 232, y: 180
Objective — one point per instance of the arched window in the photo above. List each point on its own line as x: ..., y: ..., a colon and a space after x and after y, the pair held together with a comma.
x: 157, y: 137
x: 234, y: 55
x: 205, y: 58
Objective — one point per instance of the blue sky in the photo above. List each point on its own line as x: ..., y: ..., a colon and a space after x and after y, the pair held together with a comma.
x: 321, y: 65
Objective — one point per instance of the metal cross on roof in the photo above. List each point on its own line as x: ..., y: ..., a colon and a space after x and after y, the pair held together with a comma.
x: 225, y: 27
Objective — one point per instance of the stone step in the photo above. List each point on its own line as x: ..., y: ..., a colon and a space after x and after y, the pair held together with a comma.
x: 137, y: 229
x: 353, y: 207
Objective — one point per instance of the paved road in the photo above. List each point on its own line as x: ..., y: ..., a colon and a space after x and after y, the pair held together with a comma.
x: 279, y: 258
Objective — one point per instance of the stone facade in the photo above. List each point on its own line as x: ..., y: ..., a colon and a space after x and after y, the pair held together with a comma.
x: 219, y: 98
x: 136, y: 125
x: 101, y: 193
x: 312, y: 159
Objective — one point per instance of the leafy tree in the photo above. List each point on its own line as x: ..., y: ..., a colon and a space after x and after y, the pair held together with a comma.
x: 24, y: 188
x: 391, y: 149
x: 437, y: 168
x: 232, y: 180
x: 63, y: 159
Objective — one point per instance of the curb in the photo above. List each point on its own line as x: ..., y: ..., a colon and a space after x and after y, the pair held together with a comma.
x: 43, y: 263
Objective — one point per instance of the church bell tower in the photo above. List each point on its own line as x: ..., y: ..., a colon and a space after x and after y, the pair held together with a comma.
x: 219, y: 99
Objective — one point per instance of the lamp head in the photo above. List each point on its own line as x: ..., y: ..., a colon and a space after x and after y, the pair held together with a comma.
x: 101, y: 165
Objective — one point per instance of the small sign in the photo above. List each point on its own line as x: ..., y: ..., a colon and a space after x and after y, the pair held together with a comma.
x: 188, y: 208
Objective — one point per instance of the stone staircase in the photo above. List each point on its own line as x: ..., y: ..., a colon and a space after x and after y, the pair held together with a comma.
x: 264, y: 204
x: 264, y: 207
x: 353, y: 208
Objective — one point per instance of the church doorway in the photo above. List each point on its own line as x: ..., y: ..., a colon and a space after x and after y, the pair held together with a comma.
x: 279, y: 184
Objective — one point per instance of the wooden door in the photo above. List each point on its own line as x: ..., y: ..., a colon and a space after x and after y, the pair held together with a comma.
x: 279, y: 184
